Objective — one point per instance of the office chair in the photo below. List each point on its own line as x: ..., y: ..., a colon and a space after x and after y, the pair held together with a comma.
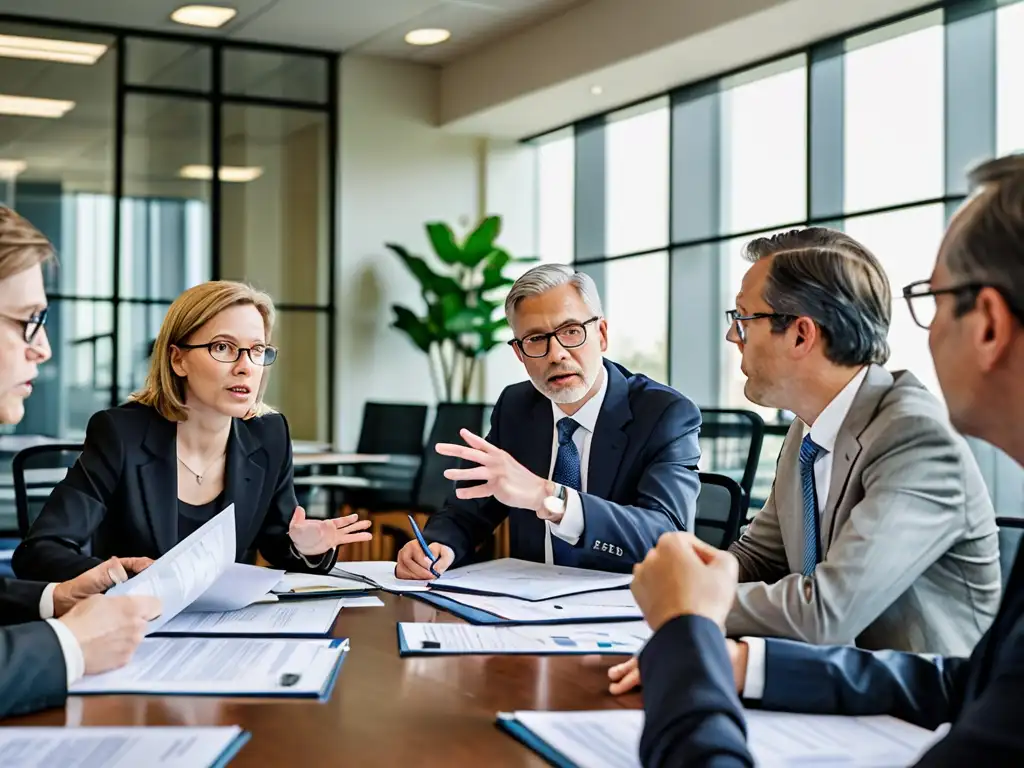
x: 36, y: 471
x: 720, y: 509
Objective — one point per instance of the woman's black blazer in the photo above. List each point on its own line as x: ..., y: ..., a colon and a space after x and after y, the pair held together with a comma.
x: 121, y: 496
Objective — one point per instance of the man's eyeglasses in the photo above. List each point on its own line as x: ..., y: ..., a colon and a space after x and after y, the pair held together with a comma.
x: 570, y: 336
x: 32, y: 326
x: 920, y: 298
x: 226, y: 352
x: 736, y: 322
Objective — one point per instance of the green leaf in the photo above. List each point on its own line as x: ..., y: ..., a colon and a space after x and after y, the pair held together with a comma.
x: 443, y: 240
x: 492, y: 271
x: 430, y: 281
x: 480, y: 243
x: 415, y: 328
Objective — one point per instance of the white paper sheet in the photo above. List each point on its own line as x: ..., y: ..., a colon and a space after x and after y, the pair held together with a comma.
x: 528, y: 580
x: 282, y: 619
x: 187, y: 570
x: 240, y: 585
x: 95, y: 747
x: 299, y: 583
x: 616, y: 603
x: 611, y: 738
x: 380, y: 574
x: 442, y: 638
x: 220, y: 666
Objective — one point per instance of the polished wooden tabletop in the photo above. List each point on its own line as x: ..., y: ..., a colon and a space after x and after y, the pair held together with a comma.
x: 385, y: 710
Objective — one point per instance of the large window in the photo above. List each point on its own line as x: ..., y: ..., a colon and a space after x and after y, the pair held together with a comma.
x: 223, y: 169
x: 869, y: 133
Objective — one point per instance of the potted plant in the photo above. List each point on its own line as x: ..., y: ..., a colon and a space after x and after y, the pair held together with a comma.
x: 464, y: 316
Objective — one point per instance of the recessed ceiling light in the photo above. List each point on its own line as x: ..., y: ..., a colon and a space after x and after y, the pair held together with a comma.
x: 67, y: 51
x: 227, y: 173
x: 427, y: 36
x: 11, y: 168
x: 597, y: 90
x: 31, y: 107
x: 209, y: 16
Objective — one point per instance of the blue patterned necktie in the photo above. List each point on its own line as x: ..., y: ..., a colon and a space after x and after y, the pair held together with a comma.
x: 567, y: 472
x: 809, y: 451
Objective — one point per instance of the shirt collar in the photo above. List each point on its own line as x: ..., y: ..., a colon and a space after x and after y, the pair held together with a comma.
x: 586, y: 416
x: 826, y: 428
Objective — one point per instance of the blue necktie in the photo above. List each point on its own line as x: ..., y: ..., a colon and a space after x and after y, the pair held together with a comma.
x: 567, y: 473
x: 809, y: 451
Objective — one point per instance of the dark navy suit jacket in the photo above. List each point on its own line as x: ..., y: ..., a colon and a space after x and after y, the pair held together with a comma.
x: 694, y: 716
x: 32, y: 671
x: 641, y: 481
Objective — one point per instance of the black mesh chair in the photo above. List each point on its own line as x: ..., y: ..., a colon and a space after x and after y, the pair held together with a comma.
x: 35, y: 472
x: 430, y: 487
x: 720, y: 509
x: 1011, y: 531
x: 730, y: 444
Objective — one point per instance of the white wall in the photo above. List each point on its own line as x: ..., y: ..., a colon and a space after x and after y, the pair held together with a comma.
x: 398, y: 171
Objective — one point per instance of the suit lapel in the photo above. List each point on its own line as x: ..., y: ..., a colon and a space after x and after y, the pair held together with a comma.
x: 243, y: 477
x: 536, y: 453
x: 158, y: 479
x: 608, y: 444
x: 876, y: 384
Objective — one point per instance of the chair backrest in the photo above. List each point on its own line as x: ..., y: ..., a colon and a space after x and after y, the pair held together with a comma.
x: 730, y: 444
x: 432, y: 487
x: 1011, y: 531
x: 392, y: 428
x: 720, y: 508
x: 36, y: 471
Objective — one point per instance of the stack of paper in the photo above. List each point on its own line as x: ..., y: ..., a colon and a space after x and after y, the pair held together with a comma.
x: 527, y: 580
x: 432, y: 638
x: 610, y: 605
x: 611, y: 738
x: 224, y: 667
x: 94, y: 747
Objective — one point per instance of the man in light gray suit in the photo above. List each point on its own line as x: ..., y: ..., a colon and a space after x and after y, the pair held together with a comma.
x: 878, y: 531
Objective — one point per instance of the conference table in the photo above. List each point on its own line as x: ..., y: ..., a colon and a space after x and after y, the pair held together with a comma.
x: 385, y: 710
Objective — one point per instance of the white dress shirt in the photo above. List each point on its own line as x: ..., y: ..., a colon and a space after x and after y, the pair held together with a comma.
x: 74, y: 661
x: 824, y: 432
x: 571, y: 526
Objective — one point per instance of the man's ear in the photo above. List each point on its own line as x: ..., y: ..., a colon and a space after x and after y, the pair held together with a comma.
x: 805, y: 334
x: 993, y: 327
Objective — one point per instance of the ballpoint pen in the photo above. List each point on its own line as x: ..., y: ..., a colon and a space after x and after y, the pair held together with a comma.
x: 423, y: 545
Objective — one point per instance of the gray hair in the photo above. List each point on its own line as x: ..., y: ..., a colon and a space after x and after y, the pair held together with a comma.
x: 986, y: 243
x: 831, y: 278
x: 545, y: 277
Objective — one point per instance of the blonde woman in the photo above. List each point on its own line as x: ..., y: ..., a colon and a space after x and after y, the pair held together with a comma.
x: 83, y: 632
x: 196, y: 438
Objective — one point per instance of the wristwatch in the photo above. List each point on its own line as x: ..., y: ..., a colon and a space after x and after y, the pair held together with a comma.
x: 555, y: 504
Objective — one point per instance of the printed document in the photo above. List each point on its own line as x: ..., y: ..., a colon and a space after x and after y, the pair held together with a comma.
x: 98, y: 747
x: 187, y: 570
x: 305, y: 617
x: 613, y: 604
x: 528, y: 580
x: 442, y: 638
x: 222, y: 667
x: 611, y: 738
x: 240, y: 585
x: 379, y: 575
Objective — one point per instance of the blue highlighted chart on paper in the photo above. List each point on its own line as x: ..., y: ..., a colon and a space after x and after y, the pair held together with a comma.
x: 429, y: 638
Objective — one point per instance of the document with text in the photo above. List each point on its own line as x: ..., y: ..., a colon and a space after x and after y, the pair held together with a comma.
x: 527, y: 580
x: 611, y: 738
x: 188, y: 570
x: 433, y: 638
x: 223, y: 667
x: 610, y: 605
x: 238, y: 586
x: 101, y: 747
x: 299, y: 618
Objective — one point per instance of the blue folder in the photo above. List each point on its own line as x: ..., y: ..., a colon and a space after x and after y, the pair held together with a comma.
x: 404, y: 649
x: 323, y: 696
x: 477, y: 616
x: 232, y: 750
x: 528, y: 738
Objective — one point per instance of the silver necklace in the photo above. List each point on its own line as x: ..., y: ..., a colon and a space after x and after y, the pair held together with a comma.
x: 198, y: 476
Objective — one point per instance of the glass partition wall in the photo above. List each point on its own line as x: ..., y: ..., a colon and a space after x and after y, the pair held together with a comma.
x: 156, y: 162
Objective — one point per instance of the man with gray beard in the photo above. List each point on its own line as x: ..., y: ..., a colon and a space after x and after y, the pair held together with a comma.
x: 590, y: 462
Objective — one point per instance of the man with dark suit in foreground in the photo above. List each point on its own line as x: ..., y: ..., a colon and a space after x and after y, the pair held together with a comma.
x: 83, y: 632
x: 973, y: 306
x: 590, y: 463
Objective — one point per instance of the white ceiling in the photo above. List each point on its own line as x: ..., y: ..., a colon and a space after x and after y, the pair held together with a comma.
x: 370, y: 26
